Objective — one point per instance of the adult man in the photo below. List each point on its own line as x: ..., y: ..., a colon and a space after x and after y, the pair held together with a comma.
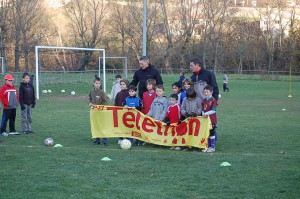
x: 202, y: 77
x: 145, y: 72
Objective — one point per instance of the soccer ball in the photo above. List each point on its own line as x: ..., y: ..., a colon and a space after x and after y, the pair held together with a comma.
x: 63, y: 91
x: 73, y: 93
x: 49, y: 91
x: 44, y: 91
x: 220, y: 96
x: 49, y: 142
x: 125, y: 144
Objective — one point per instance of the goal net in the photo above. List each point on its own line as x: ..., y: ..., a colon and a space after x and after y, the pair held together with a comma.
x: 67, y: 69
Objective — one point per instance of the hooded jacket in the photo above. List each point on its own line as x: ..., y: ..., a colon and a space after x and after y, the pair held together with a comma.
x: 9, y: 96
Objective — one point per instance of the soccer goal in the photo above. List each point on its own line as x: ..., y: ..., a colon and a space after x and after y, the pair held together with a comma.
x: 37, y: 60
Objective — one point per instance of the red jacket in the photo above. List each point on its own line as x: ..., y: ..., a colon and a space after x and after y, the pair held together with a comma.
x: 7, y: 93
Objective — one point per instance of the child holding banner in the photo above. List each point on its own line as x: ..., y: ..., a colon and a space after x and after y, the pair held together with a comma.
x: 132, y: 101
x: 98, y: 97
x: 121, y: 96
x: 173, y: 114
x: 191, y: 107
x: 209, y: 105
x: 160, y: 105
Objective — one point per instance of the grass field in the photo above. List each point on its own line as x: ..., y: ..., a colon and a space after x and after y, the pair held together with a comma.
x: 256, y: 136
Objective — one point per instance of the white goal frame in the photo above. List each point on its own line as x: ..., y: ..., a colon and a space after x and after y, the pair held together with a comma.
x: 66, y: 48
x: 126, y: 63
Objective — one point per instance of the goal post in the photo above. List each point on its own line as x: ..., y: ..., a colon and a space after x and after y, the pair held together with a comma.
x: 68, y: 48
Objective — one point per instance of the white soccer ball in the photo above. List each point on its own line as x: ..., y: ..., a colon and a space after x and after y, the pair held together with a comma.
x: 63, y: 91
x: 220, y: 96
x: 44, y: 91
x: 49, y: 91
x: 125, y: 144
x: 73, y: 93
x: 49, y: 142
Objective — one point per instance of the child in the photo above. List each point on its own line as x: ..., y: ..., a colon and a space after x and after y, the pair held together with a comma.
x: 187, y: 83
x: 191, y: 107
x: 115, y: 87
x: 132, y: 101
x: 181, y: 77
x: 10, y: 100
x: 225, y: 83
x: 27, y: 102
x: 209, y: 105
x: 121, y: 96
x: 149, y: 95
x: 160, y: 105
x: 176, y: 87
x: 173, y: 113
x: 98, y: 97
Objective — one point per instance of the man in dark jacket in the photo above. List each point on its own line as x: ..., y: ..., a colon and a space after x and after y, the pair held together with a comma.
x: 145, y: 72
x: 202, y: 77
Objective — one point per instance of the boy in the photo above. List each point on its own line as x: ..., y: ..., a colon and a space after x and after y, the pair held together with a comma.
x: 149, y: 95
x: 115, y: 87
x: 132, y: 101
x: 10, y: 100
x: 209, y: 106
x: 27, y: 102
x: 98, y: 97
x: 121, y: 96
x: 225, y: 83
x: 173, y: 114
x: 160, y: 105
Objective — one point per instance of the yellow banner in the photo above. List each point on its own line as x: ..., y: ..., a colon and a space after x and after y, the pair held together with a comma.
x: 114, y: 121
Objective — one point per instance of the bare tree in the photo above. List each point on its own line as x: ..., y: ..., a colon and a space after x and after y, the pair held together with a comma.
x: 87, y: 19
x: 215, y: 14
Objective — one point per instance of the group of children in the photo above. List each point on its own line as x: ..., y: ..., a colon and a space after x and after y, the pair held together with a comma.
x: 10, y: 100
x: 182, y: 104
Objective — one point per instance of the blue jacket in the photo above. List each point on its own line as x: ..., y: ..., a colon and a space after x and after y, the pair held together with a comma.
x: 134, y: 101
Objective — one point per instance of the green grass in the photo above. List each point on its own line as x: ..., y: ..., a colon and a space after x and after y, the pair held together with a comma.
x: 258, y: 138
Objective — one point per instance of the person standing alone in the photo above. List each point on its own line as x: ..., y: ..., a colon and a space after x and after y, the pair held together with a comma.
x: 27, y: 102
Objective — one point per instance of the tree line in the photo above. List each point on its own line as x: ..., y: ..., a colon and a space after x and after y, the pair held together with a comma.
x: 224, y: 36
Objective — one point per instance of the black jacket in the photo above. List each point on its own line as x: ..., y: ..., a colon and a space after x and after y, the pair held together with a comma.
x: 203, y: 78
x: 26, y: 94
x: 141, y: 76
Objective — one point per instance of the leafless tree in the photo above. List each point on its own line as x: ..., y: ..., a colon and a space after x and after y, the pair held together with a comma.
x: 87, y: 19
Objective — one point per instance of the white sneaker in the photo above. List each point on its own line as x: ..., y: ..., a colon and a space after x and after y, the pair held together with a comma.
x: 177, y: 148
x: 204, y: 150
x: 5, y: 134
x: 119, y: 141
x: 14, y: 133
x: 173, y: 147
x: 210, y: 150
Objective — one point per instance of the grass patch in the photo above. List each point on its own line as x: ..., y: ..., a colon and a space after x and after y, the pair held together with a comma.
x: 255, y: 135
